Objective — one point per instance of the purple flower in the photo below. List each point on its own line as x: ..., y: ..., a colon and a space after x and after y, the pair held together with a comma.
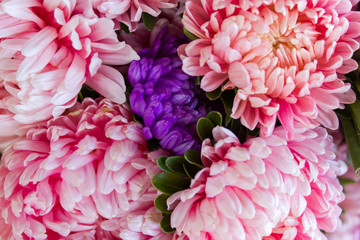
x: 164, y: 96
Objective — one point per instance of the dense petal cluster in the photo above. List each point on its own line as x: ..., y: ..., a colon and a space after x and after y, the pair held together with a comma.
x: 48, y: 49
x: 350, y: 228
x: 267, y: 188
x: 86, y: 173
x: 316, y: 207
x: 164, y: 96
x: 285, y: 59
x: 129, y: 12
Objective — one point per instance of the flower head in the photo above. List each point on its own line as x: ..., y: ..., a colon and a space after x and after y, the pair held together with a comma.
x: 164, y: 96
x: 315, y: 204
x: 84, y: 174
x: 240, y: 194
x: 48, y: 50
x: 129, y: 12
x: 350, y: 228
x: 267, y: 188
x: 285, y: 59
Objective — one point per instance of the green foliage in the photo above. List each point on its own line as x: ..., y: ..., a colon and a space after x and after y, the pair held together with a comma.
x: 124, y: 27
x: 352, y: 138
x: 227, y: 97
x: 160, y: 203
x: 197, y: 80
x: 215, y: 117
x: 148, y: 20
x: 193, y: 157
x: 176, y: 164
x: 165, y: 224
x: 177, y: 175
x: 189, y: 35
x: 170, y: 183
x: 214, y: 94
x: 204, y: 128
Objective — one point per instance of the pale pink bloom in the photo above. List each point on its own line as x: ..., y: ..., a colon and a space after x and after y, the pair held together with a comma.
x: 87, y: 173
x: 318, y: 208
x: 48, y: 49
x: 129, y: 12
x: 10, y: 130
x: 285, y: 59
x: 267, y: 186
x: 350, y: 229
x: 240, y: 194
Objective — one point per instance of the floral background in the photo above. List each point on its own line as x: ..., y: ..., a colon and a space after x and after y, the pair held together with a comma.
x: 179, y: 119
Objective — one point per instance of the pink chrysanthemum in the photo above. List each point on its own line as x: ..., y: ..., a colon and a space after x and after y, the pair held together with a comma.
x: 350, y: 229
x: 86, y: 173
x: 318, y: 208
x: 285, y: 59
x: 129, y: 12
x: 250, y: 191
x: 240, y: 194
x: 48, y: 49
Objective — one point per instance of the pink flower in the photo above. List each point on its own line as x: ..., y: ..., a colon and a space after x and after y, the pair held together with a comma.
x: 240, y: 194
x: 285, y: 59
x: 267, y: 186
x: 48, y: 49
x: 86, y: 173
x: 350, y: 228
x: 318, y: 208
x: 129, y: 12
x: 10, y: 130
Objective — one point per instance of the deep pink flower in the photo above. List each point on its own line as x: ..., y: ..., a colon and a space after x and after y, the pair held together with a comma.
x: 285, y: 59
x: 48, y: 49
x: 86, y: 173
x: 129, y: 12
x: 251, y: 190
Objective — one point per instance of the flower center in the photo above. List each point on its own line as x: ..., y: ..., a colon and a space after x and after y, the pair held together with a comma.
x: 292, y: 38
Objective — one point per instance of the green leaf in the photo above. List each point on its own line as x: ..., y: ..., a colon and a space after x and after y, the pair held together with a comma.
x: 175, y: 164
x: 215, y: 117
x: 227, y: 97
x: 161, y: 164
x: 189, y: 35
x: 344, y: 181
x: 355, y: 110
x: 170, y: 183
x: 204, y: 128
x: 160, y: 203
x: 197, y: 80
x: 214, y: 94
x: 124, y: 27
x: 190, y: 169
x: 353, y: 143
x: 193, y: 157
x: 149, y: 21
x: 227, y: 120
x: 165, y: 224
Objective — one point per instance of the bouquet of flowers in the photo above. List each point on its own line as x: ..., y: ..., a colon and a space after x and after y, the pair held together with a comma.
x: 179, y: 119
